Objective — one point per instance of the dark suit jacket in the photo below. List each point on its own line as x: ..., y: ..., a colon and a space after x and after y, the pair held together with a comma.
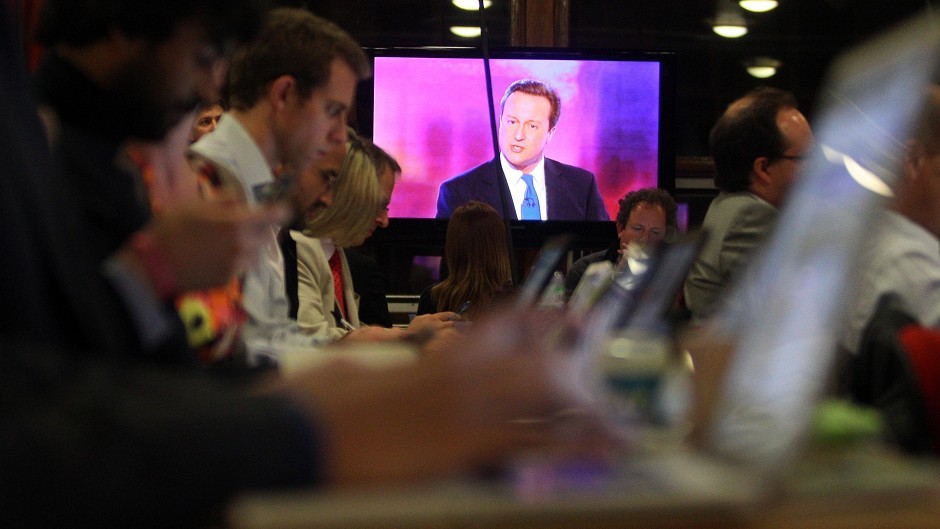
x: 572, y: 192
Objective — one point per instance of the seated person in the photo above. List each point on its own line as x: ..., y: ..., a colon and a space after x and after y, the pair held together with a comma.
x: 207, y: 119
x: 477, y: 255
x: 646, y: 216
x: 327, y: 305
x: 367, y: 278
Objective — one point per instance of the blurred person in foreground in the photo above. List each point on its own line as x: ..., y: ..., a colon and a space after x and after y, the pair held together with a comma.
x: 903, y: 254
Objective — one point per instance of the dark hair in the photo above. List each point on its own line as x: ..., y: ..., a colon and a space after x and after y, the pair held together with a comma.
x: 292, y: 42
x: 653, y: 196
x: 477, y: 256
x: 384, y: 161
x: 746, y: 131
x: 83, y: 22
x: 533, y: 87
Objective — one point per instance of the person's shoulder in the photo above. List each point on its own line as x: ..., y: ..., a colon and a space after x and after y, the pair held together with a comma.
x: 568, y: 170
x: 472, y: 173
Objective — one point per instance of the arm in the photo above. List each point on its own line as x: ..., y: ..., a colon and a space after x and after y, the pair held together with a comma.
x: 446, y: 200
x: 595, y: 209
x: 103, y: 444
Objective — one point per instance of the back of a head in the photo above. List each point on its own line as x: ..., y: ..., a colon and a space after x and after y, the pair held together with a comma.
x: 746, y: 131
x: 83, y: 22
x: 357, y: 197
x: 477, y: 255
x: 297, y: 43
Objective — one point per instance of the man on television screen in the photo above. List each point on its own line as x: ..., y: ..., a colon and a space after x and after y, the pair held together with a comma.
x: 534, y: 187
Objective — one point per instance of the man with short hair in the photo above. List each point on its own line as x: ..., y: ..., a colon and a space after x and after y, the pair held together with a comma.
x: 646, y: 217
x: 290, y: 92
x: 534, y: 187
x: 903, y: 255
x: 758, y: 145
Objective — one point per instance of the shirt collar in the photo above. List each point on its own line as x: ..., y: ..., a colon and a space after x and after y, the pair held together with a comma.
x: 515, y: 175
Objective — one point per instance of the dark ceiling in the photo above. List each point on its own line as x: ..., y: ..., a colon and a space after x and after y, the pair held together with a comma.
x: 803, y: 34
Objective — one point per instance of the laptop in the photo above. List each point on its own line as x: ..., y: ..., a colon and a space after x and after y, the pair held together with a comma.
x: 782, y: 325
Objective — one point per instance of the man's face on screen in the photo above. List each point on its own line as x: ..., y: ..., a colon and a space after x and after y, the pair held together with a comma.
x: 524, y: 129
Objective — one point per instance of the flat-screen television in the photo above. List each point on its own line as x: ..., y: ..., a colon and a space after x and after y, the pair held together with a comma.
x: 428, y: 107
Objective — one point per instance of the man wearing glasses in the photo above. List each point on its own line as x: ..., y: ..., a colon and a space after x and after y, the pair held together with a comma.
x: 758, y: 145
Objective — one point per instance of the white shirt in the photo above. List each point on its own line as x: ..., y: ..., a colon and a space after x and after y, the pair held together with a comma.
x: 269, y: 332
x: 517, y: 186
x: 903, y: 258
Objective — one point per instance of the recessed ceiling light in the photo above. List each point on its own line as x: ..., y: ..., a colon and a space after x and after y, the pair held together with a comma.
x: 757, y: 6
x: 730, y: 31
x: 467, y: 32
x: 762, y: 67
x: 471, y: 5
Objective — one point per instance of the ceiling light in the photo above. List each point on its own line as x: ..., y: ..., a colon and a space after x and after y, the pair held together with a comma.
x: 474, y: 5
x: 756, y: 6
x: 762, y: 67
x: 467, y: 32
x: 730, y: 31
x: 729, y: 21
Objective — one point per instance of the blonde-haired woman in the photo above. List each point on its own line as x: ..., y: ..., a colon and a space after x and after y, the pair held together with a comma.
x: 326, y: 302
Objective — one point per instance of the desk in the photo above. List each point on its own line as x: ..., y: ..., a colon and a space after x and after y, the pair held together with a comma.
x: 856, y: 491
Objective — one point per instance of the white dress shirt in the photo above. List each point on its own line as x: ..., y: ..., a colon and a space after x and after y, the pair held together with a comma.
x: 517, y: 186
x: 269, y: 332
x: 903, y: 258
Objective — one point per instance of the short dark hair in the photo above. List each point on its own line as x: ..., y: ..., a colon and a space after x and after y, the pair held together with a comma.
x: 384, y: 161
x: 746, y: 131
x: 653, y: 196
x: 84, y: 22
x: 534, y: 87
x: 293, y: 42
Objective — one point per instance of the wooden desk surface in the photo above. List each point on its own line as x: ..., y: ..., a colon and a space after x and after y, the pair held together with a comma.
x: 859, y: 491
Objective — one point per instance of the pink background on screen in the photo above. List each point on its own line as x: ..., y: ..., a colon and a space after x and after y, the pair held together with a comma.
x: 431, y: 115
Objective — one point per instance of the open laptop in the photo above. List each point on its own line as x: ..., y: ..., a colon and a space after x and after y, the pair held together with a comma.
x: 783, y: 323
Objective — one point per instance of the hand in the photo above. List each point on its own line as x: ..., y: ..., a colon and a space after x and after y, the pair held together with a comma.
x: 501, y: 392
x: 425, y: 326
x: 204, y: 243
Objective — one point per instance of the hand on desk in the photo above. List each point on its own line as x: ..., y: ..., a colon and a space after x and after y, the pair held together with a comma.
x: 496, y: 393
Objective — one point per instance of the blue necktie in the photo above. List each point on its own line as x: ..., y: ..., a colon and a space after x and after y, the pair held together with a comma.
x: 530, y: 204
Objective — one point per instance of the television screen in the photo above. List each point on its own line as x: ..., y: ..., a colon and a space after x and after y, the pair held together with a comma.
x: 428, y: 108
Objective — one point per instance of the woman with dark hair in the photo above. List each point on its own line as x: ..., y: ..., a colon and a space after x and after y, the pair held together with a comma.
x: 477, y: 256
